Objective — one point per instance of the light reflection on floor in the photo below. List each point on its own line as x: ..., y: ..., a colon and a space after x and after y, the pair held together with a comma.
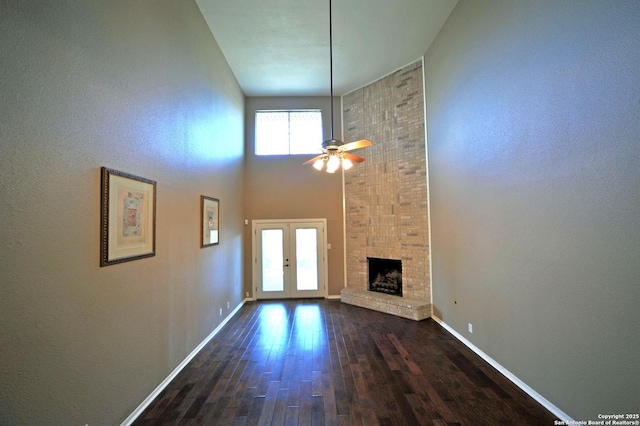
x: 302, y: 331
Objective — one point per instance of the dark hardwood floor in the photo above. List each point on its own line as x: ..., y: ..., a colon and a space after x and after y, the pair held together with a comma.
x: 316, y: 362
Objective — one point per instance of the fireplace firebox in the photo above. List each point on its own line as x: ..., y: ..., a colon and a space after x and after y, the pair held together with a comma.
x: 385, y: 275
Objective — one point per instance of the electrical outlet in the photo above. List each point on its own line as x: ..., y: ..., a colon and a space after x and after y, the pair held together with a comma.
x: 227, y: 305
x: 246, y: 294
x: 470, y: 328
x: 220, y: 311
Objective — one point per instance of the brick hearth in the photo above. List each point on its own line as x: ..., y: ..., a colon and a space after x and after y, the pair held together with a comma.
x: 400, y: 306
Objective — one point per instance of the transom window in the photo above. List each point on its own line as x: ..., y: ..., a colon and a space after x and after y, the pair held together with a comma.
x: 289, y: 132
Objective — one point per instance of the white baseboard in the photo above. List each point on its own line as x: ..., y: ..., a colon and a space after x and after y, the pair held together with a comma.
x: 133, y: 416
x: 522, y: 385
x: 333, y: 297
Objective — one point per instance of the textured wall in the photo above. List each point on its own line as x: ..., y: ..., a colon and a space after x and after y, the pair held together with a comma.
x: 280, y: 187
x: 140, y: 87
x: 386, y: 196
x: 534, y: 166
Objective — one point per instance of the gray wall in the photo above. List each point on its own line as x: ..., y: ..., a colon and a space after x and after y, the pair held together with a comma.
x: 534, y: 164
x: 280, y: 187
x: 140, y: 87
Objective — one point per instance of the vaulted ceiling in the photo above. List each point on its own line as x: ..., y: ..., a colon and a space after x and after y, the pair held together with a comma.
x: 281, y: 47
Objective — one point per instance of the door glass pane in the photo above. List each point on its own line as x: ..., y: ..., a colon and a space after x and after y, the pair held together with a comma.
x: 272, y: 260
x: 307, y: 259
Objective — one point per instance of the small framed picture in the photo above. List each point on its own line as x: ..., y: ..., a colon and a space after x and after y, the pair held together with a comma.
x: 128, y: 217
x: 209, y: 221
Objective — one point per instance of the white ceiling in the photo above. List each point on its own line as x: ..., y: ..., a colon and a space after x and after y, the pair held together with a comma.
x: 281, y: 47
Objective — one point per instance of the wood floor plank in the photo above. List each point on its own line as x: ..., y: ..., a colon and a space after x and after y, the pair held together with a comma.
x: 159, y: 404
x: 246, y: 401
x: 306, y: 362
x: 280, y: 408
x: 304, y: 415
x: 255, y: 410
x: 268, y: 409
x: 329, y: 400
x: 292, y: 416
x: 317, y: 411
x: 404, y: 354
x: 222, y: 413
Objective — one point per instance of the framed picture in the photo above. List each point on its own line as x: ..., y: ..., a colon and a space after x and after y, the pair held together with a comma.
x: 128, y: 217
x: 209, y: 221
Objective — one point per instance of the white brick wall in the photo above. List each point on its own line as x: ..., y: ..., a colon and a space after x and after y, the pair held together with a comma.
x: 386, y: 196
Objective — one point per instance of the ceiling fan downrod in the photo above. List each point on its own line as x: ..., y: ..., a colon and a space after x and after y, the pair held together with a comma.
x: 334, y: 151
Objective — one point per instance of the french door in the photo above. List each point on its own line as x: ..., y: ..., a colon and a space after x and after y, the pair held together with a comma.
x: 289, y: 258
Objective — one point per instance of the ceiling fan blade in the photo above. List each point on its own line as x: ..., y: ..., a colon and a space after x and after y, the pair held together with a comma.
x: 354, y: 158
x: 313, y: 159
x: 355, y: 145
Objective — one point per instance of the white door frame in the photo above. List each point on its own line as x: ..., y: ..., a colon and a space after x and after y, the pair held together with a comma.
x: 323, y: 269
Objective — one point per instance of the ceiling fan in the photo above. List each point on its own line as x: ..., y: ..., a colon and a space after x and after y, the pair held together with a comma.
x: 334, y: 151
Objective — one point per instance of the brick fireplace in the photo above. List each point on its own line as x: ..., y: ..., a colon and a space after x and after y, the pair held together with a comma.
x: 386, y: 196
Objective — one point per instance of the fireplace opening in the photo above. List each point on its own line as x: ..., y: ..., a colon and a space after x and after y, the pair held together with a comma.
x: 385, y: 275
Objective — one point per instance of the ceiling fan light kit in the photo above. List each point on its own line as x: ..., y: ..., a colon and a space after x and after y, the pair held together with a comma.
x: 334, y: 152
